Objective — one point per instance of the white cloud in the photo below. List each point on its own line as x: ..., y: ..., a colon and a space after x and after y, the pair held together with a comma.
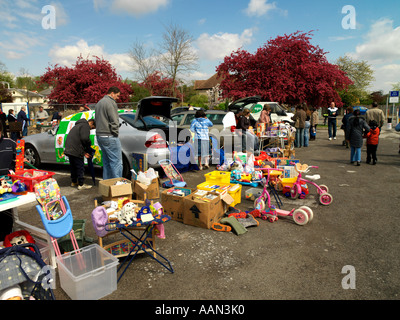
x: 382, y: 43
x: 259, y: 7
x: 385, y: 77
x: 135, y: 7
x: 381, y: 49
x: 217, y: 46
x: 68, y: 55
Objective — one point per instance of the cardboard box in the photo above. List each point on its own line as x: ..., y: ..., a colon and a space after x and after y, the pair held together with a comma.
x: 200, y: 213
x: 110, y: 191
x: 152, y: 191
x: 173, y: 204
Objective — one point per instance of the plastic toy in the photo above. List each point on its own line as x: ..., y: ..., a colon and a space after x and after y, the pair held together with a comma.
x: 325, y: 198
x: 175, y: 178
x: 301, y: 216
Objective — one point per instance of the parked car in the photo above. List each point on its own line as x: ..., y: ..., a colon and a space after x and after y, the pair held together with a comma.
x: 278, y: 113
x: 185, y: 118
x: 140, y: 132
x: 183, y: 109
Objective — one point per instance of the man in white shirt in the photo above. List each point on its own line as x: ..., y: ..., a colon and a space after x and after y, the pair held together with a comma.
x: 332, y: 114
x: 41, y: 115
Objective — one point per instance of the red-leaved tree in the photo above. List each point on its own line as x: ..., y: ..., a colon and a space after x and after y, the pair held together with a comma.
x: 87, y: 81
x: 287, y: 69
x: 159, y: 85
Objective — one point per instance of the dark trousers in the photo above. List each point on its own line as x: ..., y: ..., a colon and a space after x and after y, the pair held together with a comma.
x: 77, y: 166
x: 371, y: 152
x: 6, y: 223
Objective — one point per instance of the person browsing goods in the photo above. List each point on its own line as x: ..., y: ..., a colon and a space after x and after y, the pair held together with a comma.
x: 107, y: 131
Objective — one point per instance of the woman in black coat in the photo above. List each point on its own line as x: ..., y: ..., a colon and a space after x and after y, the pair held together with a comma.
x: 354, y: 135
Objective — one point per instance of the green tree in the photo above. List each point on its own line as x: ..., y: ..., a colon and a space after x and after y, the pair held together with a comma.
x: 361, y: 73
x: 199, y: 100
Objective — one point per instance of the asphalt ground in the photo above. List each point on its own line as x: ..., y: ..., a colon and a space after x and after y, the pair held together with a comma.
x: 353, y: 242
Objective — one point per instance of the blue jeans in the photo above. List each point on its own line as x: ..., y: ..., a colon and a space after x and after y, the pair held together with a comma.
x: 307, y: 134
x: 332, y: 128
x: 111, y: 156
x: 299, y: 140
x: 355, y: 154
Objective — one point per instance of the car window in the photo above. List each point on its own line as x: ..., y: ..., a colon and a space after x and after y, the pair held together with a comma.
x: 216, y: 118
x: 189, y: 118
x: 148, y: 122
x: 178, y: 118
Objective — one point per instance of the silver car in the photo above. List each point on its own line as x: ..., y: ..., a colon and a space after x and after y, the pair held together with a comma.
x: 140, y: 133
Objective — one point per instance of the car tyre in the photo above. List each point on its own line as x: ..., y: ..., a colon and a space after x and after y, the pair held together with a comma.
x: 32, y: 156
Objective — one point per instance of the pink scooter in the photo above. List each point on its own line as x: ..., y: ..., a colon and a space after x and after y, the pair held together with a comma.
x: 301, y: 216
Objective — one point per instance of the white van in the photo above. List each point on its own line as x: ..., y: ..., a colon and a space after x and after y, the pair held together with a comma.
x: 278, y: 113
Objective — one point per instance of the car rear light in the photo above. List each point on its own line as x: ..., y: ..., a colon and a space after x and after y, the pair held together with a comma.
x: 156, y: 141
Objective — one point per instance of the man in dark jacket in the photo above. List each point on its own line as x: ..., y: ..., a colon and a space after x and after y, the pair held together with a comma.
x: 77, y: 148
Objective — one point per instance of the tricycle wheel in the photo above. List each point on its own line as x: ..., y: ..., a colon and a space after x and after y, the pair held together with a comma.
x: 300, y: 217
x: 325, y: 199
x: 324, y: 188
x: 308, y: 211
x: 259, y: 204
x: 293, y: 192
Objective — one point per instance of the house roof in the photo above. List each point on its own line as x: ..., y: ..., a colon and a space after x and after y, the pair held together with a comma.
x: 207, y: 84
x: 23, y: 92
x: 46, y: 92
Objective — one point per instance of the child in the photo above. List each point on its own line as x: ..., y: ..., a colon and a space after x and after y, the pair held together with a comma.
x: 199, y: 127
x: 372, y: 141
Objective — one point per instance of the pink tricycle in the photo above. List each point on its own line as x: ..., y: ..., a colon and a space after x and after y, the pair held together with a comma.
x: 325, y: 198
x: 301, y: 216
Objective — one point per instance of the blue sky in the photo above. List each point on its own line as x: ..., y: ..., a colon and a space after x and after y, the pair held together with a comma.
x: 108, y: 28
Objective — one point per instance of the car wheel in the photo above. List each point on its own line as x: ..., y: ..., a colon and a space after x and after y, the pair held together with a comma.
x: 32, y: 156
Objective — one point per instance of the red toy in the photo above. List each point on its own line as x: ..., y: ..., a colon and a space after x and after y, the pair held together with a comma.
x: 17, y: 238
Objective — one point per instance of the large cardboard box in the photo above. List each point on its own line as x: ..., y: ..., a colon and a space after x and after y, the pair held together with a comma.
x: 200, y: 213
x: 173, y: 204
x: 109, y: 190
x: 152, y: 191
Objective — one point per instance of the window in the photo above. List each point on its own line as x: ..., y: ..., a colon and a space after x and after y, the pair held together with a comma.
x: 189, y: 119
x: 216, y: 118
x: 178, y: 118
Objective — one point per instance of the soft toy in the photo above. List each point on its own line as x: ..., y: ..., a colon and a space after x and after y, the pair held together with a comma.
x: 5, y: 186
x: 127, y: 214
x: 17, y: 238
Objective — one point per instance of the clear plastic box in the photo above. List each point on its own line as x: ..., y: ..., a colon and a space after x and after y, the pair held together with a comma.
x: 253, y: 193
x: 88, y: 275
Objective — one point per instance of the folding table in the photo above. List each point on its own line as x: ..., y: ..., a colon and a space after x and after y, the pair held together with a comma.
x: 141, y: 242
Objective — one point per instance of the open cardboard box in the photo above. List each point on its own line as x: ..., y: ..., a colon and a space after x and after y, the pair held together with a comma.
x: 173, y: 204
x: 110, y: 191
x: 152, y: 191
x: 203, y: 213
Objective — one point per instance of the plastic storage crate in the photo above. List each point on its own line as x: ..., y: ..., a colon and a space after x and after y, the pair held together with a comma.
x: 93, y: 279
x: 218, y: 177
x: 253, y: 193
x: 31, y: 180
x: 79, y: 231
x: 234, y: 190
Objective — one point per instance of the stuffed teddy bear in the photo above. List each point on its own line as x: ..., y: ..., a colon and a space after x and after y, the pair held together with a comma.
x: 17, y: 238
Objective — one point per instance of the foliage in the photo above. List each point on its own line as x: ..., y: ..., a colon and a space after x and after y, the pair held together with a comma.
x: 287, y: 69
x: 87, y: 81
x: 159, y: 85
x: 199, y: 100
x: 361, y: 74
